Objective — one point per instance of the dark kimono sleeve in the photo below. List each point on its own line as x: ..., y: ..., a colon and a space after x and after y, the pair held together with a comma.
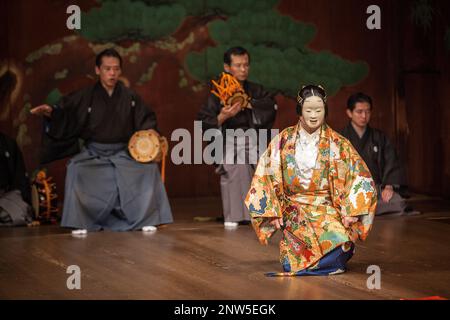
x: 263, y: 107
x: 17, y: 172
x: 392, y: 170
x: 144, y: 116
x: 208, y: 113
x: 62, y: 130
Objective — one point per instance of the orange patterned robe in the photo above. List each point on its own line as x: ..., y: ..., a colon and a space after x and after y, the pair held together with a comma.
x: 341, y: 185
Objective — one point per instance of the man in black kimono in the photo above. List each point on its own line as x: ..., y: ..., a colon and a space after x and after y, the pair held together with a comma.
x: 379, y: 155
x: 105, y: 187
x: 15, y: 193
x: 236, y: 176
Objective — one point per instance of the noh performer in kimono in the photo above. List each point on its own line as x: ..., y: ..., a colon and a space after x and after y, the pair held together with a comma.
x: 105, y: 188
x: 379, y: 155
x: 258, y: 112
x: 313, y: 186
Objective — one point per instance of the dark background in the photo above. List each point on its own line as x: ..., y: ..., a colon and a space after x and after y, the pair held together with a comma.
x: 408, y: 78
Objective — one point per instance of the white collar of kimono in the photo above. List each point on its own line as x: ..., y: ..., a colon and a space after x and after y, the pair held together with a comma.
x: 306, y: 151
x: 305, y: 135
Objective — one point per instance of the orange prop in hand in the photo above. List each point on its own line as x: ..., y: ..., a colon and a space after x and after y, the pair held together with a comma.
x: 229, y: 90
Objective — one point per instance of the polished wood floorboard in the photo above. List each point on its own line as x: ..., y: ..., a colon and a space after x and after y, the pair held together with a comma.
x: 202, y: 260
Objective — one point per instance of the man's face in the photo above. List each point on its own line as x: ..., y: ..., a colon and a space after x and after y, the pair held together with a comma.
x: 313, y: 112
x: 360, y: 116
x: 238, y: 67
x: 109, y: 71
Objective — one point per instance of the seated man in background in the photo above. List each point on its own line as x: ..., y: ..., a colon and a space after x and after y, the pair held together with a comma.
x: 379, y: 155
x: 15, y: 193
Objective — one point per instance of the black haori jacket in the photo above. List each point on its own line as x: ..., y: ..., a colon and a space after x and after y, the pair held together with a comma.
x: 379, y: 155
x: 90, y: 114
x: 262, y: 116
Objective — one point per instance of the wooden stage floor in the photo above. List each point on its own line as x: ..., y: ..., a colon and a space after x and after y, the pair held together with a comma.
x: 201, y: 260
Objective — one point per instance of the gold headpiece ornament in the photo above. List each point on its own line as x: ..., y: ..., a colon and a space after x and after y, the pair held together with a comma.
x: 300, y: 99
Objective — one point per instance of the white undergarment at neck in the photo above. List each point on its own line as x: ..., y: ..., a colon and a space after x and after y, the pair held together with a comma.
x: 306, y: 150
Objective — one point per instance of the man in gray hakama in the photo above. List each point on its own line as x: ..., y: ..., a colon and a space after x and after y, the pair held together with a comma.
x: 235, y: 177
x: 113, y: 191
x: 105, y: 188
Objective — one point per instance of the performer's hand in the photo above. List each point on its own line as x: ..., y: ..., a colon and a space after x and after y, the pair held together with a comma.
x: 387, y: 193
x: 231, y: 110
x: 228, y: 111
x: 42, y: 110
x: 348, y: 221
x: 277, y: 223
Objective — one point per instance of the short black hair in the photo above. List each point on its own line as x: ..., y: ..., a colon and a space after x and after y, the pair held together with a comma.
x: 309, y: 91
x: 110, y: 52
x: 237, y: 51
x: 358, y: 97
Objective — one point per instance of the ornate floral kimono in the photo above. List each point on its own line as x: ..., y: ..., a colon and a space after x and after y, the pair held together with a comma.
x: 312, y: 184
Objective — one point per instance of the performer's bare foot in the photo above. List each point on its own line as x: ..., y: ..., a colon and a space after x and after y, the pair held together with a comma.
x: 149, y: 228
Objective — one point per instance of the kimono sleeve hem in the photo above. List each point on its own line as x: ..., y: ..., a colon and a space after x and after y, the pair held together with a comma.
x: 355, y: 214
